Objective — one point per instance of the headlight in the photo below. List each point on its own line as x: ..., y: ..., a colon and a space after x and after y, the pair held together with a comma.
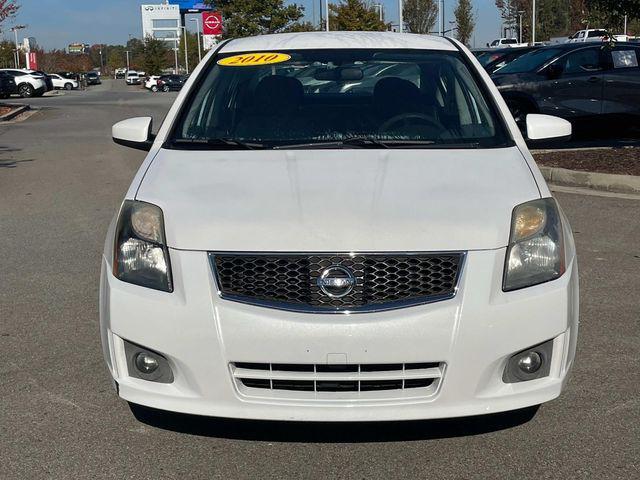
x: 536, y: 248
x: 141, y: 255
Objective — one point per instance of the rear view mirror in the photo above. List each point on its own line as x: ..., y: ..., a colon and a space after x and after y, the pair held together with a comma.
x: 547, y: 127
x: 134, y: 133
x: 342, y: 74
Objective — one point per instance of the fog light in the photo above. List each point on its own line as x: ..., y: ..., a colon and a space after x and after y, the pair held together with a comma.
x: 530, y: 362
x: 146, y: 363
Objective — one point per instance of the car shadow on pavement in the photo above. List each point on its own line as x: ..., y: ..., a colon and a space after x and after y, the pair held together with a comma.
x: 12, y: 163
x: 329, y: 432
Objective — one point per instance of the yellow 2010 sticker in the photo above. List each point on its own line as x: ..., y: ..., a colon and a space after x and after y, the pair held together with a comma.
x: 253, y: 59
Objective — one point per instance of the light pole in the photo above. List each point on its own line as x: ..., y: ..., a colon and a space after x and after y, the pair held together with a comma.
x: 326, y: 7
x: 520, y: 26
x: 533, y: 23
x: 442, y: 18
x: 175, y: 53
x: 400, y: 16
x: 127, y: 52
x: 15, y: 31
x: 379, y: 6
x: 198, y: 28
x: 186, y: 51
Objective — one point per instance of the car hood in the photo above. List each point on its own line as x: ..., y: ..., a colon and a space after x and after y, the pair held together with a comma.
x: 338, y: 200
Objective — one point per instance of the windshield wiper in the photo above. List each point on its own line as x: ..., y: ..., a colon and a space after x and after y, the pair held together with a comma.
x: 362, y: 142
x: 212, y: 143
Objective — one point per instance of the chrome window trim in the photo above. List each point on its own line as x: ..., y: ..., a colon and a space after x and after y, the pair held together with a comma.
x: 275, y: 305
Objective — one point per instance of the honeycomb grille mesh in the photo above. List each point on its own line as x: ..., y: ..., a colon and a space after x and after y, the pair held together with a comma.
x: 290, y: 280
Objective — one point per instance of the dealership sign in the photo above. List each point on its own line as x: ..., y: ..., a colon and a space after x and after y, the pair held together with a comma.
x: 212, y: 23
x: 32, y: 61
x: 211, y: 29
x: 191, y: 5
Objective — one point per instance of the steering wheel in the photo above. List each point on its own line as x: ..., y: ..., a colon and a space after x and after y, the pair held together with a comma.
x: 403, y: 119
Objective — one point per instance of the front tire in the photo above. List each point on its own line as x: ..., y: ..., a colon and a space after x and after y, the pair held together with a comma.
x: 68, y: 86
x: 25, y: 90
x: 165, y: 88
x: 154, y: 88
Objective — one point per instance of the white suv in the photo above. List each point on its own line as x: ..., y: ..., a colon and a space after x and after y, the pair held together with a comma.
x: 28, y: 82
x: 133, y: 78
x: 292, y: 250
x: 61, y: 82
x: 152, y: 83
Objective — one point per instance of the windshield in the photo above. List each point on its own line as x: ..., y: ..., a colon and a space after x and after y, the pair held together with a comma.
x: 492, y: 57
x: 530, y: 61
x: 356, y: 98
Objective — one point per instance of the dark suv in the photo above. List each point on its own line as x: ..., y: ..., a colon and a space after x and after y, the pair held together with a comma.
x: 170, y: 82
x: 7, y: 85
x: 574, y: 81
x: 92, y: 78
x: 498, y: 58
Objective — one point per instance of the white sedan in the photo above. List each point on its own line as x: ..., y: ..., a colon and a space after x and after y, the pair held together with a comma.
x: 60, y: 82
x: 390, y: 252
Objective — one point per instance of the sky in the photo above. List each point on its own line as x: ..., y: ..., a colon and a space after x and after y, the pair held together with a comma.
x: 56, y: 23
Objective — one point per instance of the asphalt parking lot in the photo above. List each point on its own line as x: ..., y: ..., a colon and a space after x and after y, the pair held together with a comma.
x: 61, y: 180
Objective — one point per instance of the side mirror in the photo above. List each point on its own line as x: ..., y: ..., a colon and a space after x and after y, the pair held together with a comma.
x: 134, y: 133
x: 546, y: 127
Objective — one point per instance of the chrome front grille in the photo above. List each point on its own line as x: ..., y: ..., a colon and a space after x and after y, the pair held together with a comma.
x: 380, y: 281
x: 337, y: 381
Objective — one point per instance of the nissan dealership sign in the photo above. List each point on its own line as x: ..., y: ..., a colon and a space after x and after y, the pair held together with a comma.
x: 211, y: 29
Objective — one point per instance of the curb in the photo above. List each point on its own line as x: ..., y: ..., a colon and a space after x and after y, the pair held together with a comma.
x: 11, y: 115
x: 598, y: 181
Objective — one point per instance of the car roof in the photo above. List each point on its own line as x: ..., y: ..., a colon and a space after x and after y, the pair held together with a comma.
x: 337, y: 40
x: 574, y: 46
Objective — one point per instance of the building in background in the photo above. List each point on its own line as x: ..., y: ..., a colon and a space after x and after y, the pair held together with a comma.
x: 29, y: 43
x: 161, y: 21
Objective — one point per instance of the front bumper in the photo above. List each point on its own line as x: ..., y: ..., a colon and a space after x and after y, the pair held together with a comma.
x: 471, y: 336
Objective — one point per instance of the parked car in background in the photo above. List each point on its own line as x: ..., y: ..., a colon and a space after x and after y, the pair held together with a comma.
x: 151, y: 83
x: 28, y: 82
x: 590, y: 35
x: 121, y: 73
x: 61, y: 82
x: 172, y: 82
x: 505, y: 42
x: 574, y: 81
x: 133, y: 78
x: 70, y: 75
x: 8, y: 85
x: 498, y: 58
x: 93, y: 78
x: 47, y: 80
x: 284, y: 254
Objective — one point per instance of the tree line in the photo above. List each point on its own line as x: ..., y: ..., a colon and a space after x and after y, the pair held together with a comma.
x: 256, y: 17
x: 559, y: 18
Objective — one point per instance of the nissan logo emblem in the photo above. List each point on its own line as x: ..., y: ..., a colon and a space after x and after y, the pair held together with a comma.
x: 336, y: 281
